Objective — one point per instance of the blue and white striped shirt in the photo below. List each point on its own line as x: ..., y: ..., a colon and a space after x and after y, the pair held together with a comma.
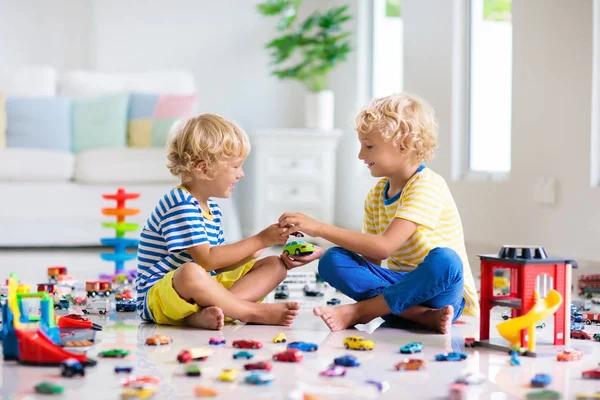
x: 176, y: 224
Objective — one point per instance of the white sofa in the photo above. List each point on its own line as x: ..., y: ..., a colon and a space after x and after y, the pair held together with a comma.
x: 52, y: 198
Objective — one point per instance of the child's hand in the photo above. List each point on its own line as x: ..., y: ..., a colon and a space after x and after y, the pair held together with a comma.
x: 273, y: 234
x: 300, y: 222
x: 292, y: 262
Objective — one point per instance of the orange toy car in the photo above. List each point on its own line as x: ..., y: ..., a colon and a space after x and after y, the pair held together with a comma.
x: 569, y: 355
x: 412, y: 364
x: 157, y: 340
x: 204, y: 391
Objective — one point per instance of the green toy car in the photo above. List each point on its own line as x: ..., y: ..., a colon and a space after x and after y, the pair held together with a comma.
x: 298, y: 248
x: 545, y: 394
x: 48, y: 388
x: 192, y: 370
x: 114, y: 353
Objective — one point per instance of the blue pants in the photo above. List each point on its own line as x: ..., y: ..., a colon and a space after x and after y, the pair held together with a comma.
x: 435, y: 283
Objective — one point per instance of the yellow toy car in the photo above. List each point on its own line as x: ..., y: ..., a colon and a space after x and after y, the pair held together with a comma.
x: 358, y: 343
x: 280, y: 338
x: 228, y: 375
x: 138, y: 391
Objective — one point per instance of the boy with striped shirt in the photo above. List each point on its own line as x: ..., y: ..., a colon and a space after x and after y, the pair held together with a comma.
x: 187, y: 275
x: 410, y: 219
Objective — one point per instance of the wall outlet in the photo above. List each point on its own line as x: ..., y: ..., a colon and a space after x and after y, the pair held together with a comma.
x: 544, y: 191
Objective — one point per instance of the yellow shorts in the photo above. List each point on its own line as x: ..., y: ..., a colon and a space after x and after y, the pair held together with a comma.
x: 169, y: 309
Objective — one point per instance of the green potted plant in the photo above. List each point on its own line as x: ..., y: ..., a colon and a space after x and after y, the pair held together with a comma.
x: 307, y: 52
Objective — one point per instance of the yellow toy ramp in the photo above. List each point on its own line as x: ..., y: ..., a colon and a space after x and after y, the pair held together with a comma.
x: 543, y: 308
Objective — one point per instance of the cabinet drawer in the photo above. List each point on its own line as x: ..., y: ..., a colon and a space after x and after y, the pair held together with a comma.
x: 294, y: 192
x: 294, y: 164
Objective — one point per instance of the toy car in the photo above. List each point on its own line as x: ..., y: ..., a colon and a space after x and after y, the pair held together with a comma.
x: 591, y: 374
x: 580, y: 334
x: 346, y: 361
x: 62, y: 304
x: 246, y: 344
x: 71, y: 367
x: 545, y: 394
x: 157, y: 340
x: 228, y: 375
x: 540, y: 325
x: 139, y: 391
x: 267, y: 366
x: 358, y: 343
x: 334, y: 301
x: 569, y: 355
x: 290, y: 355
x: 506, y: 315
x: 48, y: 388
x: 469, y: 342
x: 192, y: 370
x: 588, y: 396
x: 596, y: 337
x: 114, y: 353
x: 282, y: 294
x: 133, y: 381
x: 216, y: 341
x: 382, y: 386
x: 197, y: 354
x: 333, y: 371
x: 303, y: 346
x: 413, y: 347
x: 100, y: 306
x: 298, y: 248
x: 452, y: 356
x: 514, y: 358
x: 243, y: 354
x: 203, y: 391
x: 412, y: 364
x: 259, y: 378
x: 280, y: 338
x: 312, y: 293
x: 471, y: 378
x: 541, y: 380
x: 123, y: 368
x: 125, y: 306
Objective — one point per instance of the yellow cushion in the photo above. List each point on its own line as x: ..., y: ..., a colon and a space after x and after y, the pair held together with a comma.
x: 140, y: 133
x: 2, y: 122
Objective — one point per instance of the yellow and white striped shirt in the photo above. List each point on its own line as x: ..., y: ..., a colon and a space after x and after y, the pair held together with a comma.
x: 425, y: 200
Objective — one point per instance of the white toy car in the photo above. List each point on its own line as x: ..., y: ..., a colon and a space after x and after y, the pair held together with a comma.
x: 97, y: 306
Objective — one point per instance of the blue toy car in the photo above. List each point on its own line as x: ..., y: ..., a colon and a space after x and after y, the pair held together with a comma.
x: 259, y: 378
x: 216, y: 341
x: 541, y: 380
x: 243, y: 354
x: 334, y: 301
x: 303, y: 346
x: 123, y: 368
x: 514, y: 358
x: 452, y: 356
x: 347, y: 361
x: 71, y: 367
x: 125, y: 305
x: 412, y: 347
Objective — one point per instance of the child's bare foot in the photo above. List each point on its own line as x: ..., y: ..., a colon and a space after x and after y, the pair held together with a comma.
x: 276, y: 314
x: 439, y: 320
x: 208, y: 318
x: 340, y: 317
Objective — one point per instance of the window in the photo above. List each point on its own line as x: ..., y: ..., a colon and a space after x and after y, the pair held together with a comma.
x: 387, y: 47
x: 490, y: 86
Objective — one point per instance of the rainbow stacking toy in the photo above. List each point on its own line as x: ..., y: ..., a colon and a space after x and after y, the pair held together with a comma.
x: 120, y: 242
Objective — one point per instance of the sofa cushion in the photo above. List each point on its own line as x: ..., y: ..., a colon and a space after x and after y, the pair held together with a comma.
x: 151, y: 117
x: 39, y: 122
x: 34, y: 80
x: 2, y: 122
x: 89, y: 83
x: 35, y: 165
x: 122, y: 166
x: 100, y: 122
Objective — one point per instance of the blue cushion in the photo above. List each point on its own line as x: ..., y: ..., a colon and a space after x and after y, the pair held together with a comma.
x: 39, y: 122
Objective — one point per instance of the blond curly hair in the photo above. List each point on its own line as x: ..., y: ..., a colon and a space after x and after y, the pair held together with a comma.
x: 206, y: 137
x: 405, y: 120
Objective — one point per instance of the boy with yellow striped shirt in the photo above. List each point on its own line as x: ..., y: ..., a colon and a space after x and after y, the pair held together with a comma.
x: 410, y: 219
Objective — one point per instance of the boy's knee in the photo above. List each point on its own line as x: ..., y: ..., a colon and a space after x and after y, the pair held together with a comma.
x: 328, y: 261
x: 447, y: 260
x: 188, y: 277
x: 277, y: 264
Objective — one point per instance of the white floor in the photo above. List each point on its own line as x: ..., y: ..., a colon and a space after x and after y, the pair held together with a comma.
x: 125, y: 331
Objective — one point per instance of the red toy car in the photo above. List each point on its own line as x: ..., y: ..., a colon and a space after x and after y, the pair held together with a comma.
x: 469, y: 342
x: 579, y: 334
x: 267, y: 366
x: 246, y: 344
x: 290, y: 355
x: 591, y: 374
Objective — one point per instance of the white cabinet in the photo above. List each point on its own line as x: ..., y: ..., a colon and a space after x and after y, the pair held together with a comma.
x: 288, y: 170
